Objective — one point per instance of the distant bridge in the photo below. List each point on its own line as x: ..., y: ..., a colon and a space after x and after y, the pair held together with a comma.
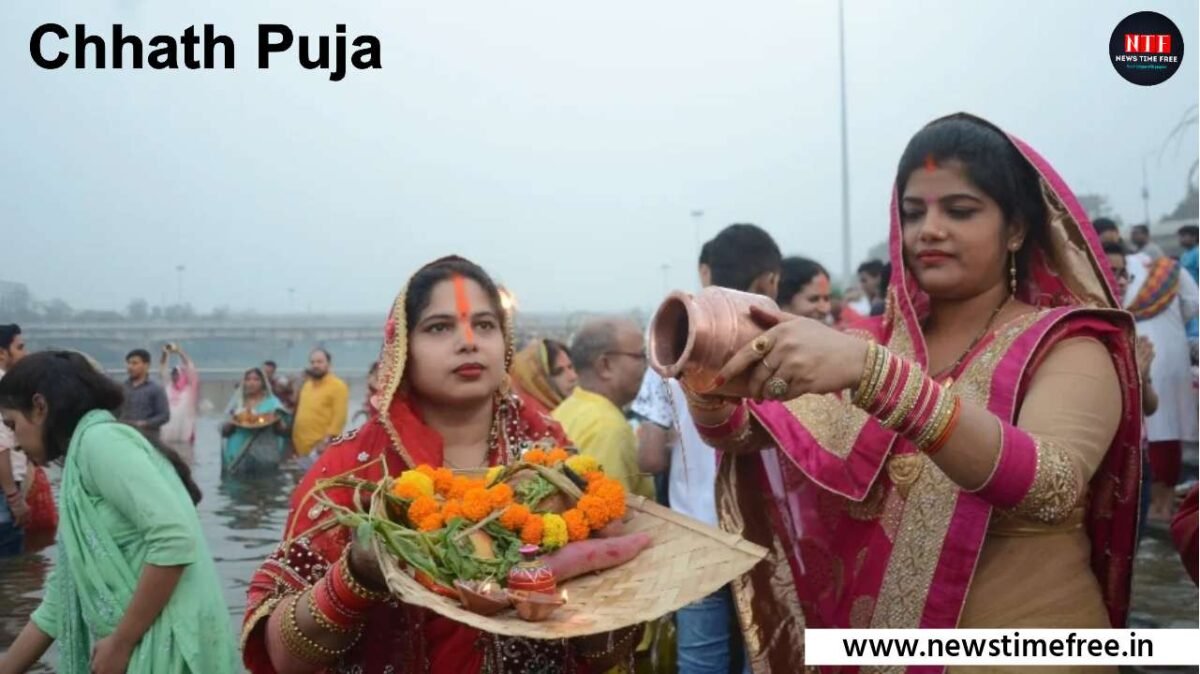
x: 297, y: 329
x: 151, y: 332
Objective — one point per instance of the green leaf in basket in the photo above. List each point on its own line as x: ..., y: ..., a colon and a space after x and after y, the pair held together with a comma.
x: 364, y: 531
x: 532, y: 491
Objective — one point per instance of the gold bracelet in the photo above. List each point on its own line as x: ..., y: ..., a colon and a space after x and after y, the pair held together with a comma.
x: 886, y: 389
x: 868, y: 373
x: 908, y: 398
x: 941, y: 421
x: 872, y: 380
x: 300, y: 645
x: 362, y: 591
x: 940, y: 414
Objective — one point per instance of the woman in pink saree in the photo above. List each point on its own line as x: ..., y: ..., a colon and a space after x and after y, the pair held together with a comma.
x: 968, y: 459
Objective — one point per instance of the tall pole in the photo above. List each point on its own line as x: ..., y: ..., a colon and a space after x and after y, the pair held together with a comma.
x: 845, y: 157
x: 697, y: 217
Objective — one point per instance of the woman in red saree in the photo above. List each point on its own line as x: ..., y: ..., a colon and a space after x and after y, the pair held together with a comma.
x: 968, y: 459
x: 442, y: 401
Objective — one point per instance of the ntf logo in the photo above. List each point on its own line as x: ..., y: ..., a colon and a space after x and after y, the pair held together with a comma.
x: 1147, y: 44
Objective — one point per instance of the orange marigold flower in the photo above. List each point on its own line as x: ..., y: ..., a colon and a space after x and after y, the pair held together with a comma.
x: 426, y: 469
x: 500, y: 495
x: 476, y: 504
x: 535, y: 456
x: 577, y: 525
x: 594, y: 510
x: 531, y: 532
x: 593, y: 476
x: 612, y: 493
x: 514, y: 517
x: 459, y: 487
x: 451, y: 510
x: 556, y: 456
x: 405, y: 490
x: 431, y: 522
x: 422, y: 507
x: 443, y: 479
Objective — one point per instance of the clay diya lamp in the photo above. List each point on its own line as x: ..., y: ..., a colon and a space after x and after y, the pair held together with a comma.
x: 486, y: 598
x: 535, y: 606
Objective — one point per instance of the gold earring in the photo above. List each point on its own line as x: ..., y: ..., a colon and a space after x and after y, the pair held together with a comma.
x: 1012, y: 272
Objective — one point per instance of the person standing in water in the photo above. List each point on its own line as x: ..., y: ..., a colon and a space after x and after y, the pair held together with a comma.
x: 323, y: 406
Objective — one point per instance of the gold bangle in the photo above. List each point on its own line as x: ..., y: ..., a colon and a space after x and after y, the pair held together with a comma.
x: 868, y: 374
x: 885, y: 389
x: 703, y: 402
x: 941, y: 422
x: 912, y: 387
x: 321, y: 619
x: 939, y: 417
x: 300, y: 645
x: 873, y: 380
x: 360, y: 590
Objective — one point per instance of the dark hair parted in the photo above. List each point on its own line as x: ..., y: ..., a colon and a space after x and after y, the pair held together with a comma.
x: 993, y: 164
x: 796, y: 273
x: 71, y: 388
x: 420, y: 287
x: 740, y: 254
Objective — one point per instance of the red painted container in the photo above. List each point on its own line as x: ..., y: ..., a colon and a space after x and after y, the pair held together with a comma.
x: 531, y: 574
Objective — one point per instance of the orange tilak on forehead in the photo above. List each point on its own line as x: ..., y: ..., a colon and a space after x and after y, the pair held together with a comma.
x: 463, y: 304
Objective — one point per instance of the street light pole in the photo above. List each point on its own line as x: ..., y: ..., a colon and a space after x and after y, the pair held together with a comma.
x: 845, y: 155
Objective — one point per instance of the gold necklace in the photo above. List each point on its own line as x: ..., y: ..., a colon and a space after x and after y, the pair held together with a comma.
x: 975, y: 342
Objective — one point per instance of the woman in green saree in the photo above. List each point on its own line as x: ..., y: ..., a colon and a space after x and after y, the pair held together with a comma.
x: 254, y: 435
x: 134, y: 587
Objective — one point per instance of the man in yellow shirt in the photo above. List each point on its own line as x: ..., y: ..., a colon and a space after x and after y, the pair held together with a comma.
x: 610, y: 357
x: 323, y: 405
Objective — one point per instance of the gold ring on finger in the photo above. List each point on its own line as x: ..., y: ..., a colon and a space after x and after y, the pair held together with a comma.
x: 776, y: 388
x: 761, y: 345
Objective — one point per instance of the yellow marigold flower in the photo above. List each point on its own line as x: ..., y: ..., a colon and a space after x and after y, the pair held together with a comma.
x: 500, y: 495
x: 514, y: 517
x: 582, y: 464
x: 421, y: 484
x: 431, y: 522
x: 492, y: 473
x: 531, y: 531
x: 554, y: 531
x: 421, y: 508
x: 476, y: 504
x: 534, y: 456
x: 426, y: 469
x: 556, y: 456
x: 577, y: 525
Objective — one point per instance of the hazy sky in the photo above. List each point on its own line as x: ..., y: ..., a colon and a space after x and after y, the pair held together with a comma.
x: 562, y: 145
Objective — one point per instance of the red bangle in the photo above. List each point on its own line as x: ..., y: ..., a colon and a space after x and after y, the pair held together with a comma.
x: 726, y: 428
x: 332, y: 613
x: 940, y: 441
x: 342, y: 592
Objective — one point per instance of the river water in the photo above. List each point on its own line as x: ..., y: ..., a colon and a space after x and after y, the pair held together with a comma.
x: 243, y: 520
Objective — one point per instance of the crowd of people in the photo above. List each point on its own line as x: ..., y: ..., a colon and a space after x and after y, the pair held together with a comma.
x: 959, y: 445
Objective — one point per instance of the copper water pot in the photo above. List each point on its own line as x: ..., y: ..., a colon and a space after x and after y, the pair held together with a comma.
x: 693, y: 336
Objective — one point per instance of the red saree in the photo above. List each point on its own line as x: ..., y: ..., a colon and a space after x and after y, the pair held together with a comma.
x: 866, y: 531
x: 397, y: 637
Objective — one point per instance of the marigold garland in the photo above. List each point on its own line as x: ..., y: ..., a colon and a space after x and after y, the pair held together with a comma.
x: 535, y: 456
x: 500, y: 495
x: 431, y: 523
x: 577, y: 525
x: 514, y: 517
x: 452, y: 510
x: 531, y: 531
x: 582, y: 464
x: 412, y: 484
x: 443, y: 480
x: 554, y: 531
x: 556, y: 456
x: 476, y: 504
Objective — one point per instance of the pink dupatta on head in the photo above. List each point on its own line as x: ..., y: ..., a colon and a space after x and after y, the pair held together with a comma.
x: 870, y: 532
